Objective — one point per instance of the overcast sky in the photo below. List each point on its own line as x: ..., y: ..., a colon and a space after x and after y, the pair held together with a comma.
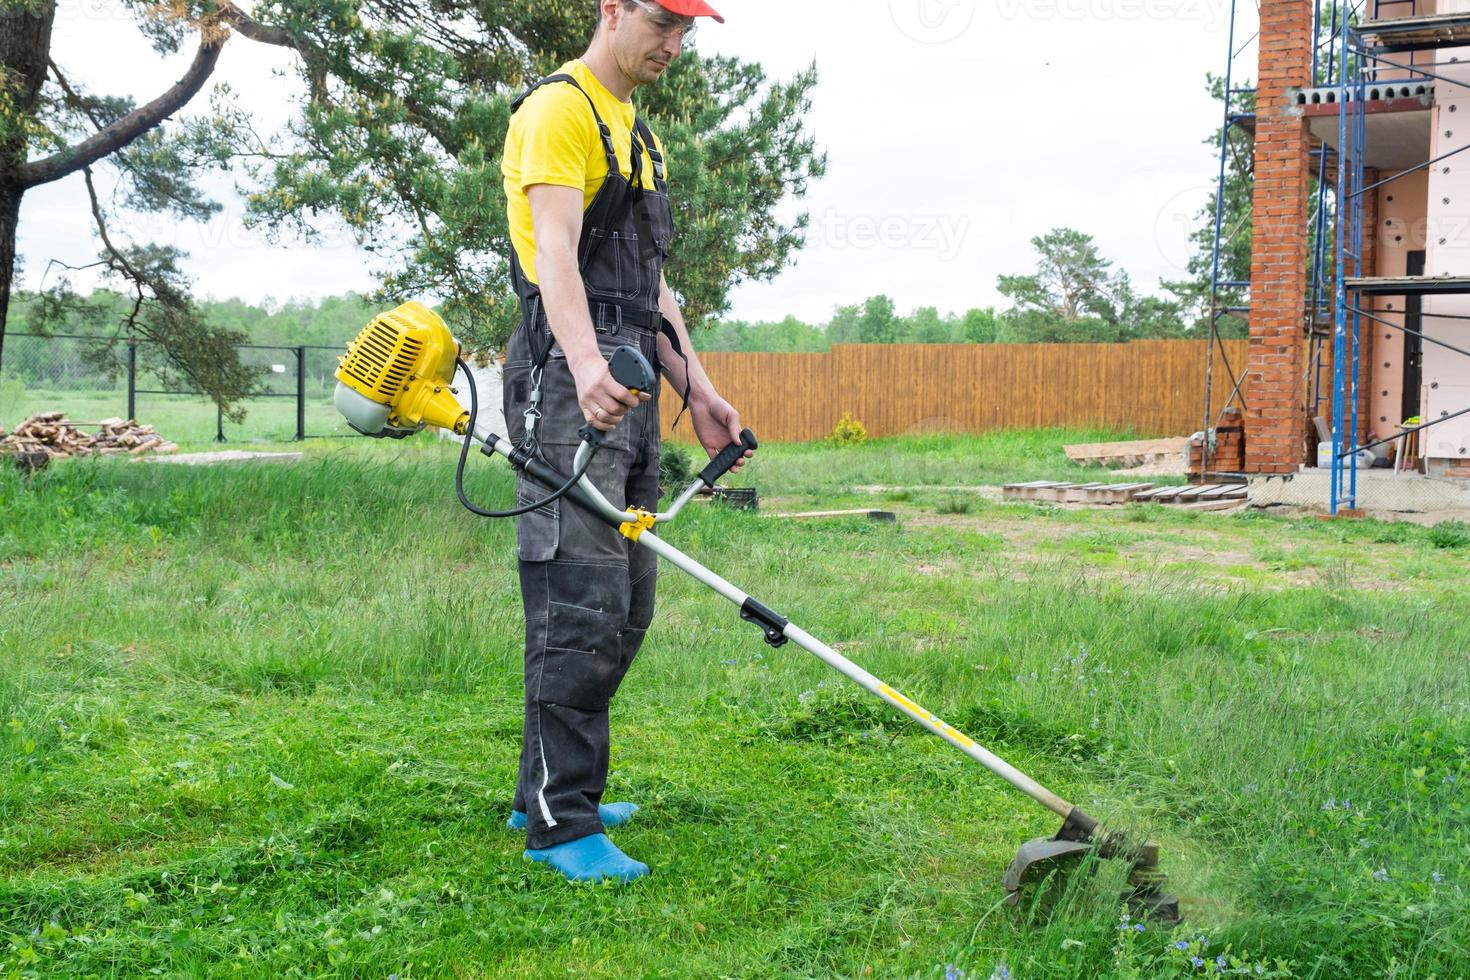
x: 956, y: 131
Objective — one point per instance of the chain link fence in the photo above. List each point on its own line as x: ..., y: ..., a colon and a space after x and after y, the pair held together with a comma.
x: 95, y: 378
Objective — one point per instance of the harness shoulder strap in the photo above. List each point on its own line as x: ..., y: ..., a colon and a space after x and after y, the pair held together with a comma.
x: 651, y: 145
x: 602, y: 129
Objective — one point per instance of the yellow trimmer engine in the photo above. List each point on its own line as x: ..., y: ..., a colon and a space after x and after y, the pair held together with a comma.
x: 396, y: 376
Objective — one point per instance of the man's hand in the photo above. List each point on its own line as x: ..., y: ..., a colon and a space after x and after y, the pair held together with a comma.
x: 603, y: 400
x: 716, y: 425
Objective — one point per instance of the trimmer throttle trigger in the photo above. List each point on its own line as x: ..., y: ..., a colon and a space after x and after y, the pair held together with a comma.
x: 631, y: 369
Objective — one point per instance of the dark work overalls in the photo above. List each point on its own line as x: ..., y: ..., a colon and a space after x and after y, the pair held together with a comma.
x: 587, y: 591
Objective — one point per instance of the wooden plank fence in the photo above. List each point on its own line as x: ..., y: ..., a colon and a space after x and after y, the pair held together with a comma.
x: 1150, y: 386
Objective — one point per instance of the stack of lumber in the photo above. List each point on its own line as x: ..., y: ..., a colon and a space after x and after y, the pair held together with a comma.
x: 1074, y: 493
x: 1214, y: 494
x: 1126, y: 455
x: 56, y: 436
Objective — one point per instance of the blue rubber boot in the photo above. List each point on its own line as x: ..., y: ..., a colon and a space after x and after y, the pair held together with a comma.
x: 611, y: 814
x: 591, y: 858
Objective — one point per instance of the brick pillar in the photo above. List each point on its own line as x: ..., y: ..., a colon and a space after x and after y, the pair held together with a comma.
x: 1275, y: 389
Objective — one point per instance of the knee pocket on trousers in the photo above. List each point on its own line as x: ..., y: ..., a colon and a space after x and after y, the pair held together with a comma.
x: 575, y: 679
x: 586, y: 611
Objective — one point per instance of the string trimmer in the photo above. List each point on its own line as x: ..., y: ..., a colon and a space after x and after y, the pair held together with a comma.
x: 397, y: 377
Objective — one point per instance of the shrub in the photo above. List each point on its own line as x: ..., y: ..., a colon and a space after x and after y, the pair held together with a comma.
x: 954, y: 504
x: 847, y: 432
x: 1450, y: 534
x: 675, y: 469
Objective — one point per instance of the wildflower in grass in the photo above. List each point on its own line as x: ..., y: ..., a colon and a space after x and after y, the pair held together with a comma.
x: 1331, y: 804
x: 952, y: 972
x: 1138, y: 927
x: 1381, y: 874
x: 1181, y: 944
x: 1196, y: 962
x: 1000, y: 973
x: 729, y: 663
x: 1220, y: 963
x: 1436, y: 877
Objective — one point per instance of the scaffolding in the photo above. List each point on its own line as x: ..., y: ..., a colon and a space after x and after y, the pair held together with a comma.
x: 1227, y: 295
x: 1365, y: 47
x: 1355, y: 48
x: 1230, y: 296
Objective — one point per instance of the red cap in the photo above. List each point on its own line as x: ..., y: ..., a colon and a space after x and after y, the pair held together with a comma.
x: 691, y: 8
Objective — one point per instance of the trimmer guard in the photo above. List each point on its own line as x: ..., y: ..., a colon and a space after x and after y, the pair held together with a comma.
x: 1080, y: 836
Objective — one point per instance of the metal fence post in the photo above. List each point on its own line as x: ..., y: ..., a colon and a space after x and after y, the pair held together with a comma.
x: 300, y: 393
x: 132, y: 381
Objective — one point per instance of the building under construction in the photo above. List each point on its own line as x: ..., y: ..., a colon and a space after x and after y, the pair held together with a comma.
x: 1359, y: 293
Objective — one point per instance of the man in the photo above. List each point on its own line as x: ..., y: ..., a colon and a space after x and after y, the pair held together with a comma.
x: 591, y: 227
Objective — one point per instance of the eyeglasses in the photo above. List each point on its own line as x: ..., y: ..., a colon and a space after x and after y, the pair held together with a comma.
x: 666, y: 23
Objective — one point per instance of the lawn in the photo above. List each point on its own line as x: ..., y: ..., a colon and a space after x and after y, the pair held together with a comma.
x: 263, y: 721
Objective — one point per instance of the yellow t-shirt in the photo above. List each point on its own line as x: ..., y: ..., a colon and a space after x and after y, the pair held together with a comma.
x: 553, y: 139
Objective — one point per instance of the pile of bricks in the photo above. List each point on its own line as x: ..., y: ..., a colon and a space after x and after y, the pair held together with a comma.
x: 1229, y: 453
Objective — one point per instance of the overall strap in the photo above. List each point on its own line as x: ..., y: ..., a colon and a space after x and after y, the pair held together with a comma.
x: 603, y: 131
x: 643, y: 133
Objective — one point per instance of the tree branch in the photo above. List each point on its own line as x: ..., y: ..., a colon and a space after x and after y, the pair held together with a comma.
x: 127, y: 129
x: 252, y: 29
x: 118, y: 262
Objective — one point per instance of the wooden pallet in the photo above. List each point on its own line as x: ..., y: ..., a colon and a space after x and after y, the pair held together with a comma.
x: 881, y: 516
x: 1213, y: 492
x: 1074, y: 493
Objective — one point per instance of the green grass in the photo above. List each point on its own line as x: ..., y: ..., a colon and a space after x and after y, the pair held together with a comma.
x: 933, y: 460
x: 263, y: 721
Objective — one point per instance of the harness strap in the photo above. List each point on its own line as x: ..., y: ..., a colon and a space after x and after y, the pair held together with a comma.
x: 641, y: 133
x: 667, y: 329
x: 650, y: 145
x: 602, y: 129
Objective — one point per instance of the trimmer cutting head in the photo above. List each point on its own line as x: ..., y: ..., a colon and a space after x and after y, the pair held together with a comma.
x: 1080, y: 837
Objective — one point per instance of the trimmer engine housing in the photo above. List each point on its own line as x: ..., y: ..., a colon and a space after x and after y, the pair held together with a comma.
x: 397, y: 374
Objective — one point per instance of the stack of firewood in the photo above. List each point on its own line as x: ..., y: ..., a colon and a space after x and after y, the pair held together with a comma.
x: 56, y: 436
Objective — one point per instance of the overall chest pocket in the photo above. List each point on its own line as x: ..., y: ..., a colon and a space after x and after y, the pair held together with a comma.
x: 615, y: 264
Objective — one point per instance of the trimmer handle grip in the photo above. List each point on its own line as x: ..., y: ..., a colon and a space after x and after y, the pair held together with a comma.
x: 727, y: 458
x: 631, y: 369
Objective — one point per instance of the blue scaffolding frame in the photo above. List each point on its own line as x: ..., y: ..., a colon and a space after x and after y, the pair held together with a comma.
x: 1347, y: 54
x: 1363, y: 47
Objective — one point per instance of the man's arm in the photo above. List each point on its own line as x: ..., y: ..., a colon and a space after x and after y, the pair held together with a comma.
x: 556, y: 222
x: 716, y: 423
